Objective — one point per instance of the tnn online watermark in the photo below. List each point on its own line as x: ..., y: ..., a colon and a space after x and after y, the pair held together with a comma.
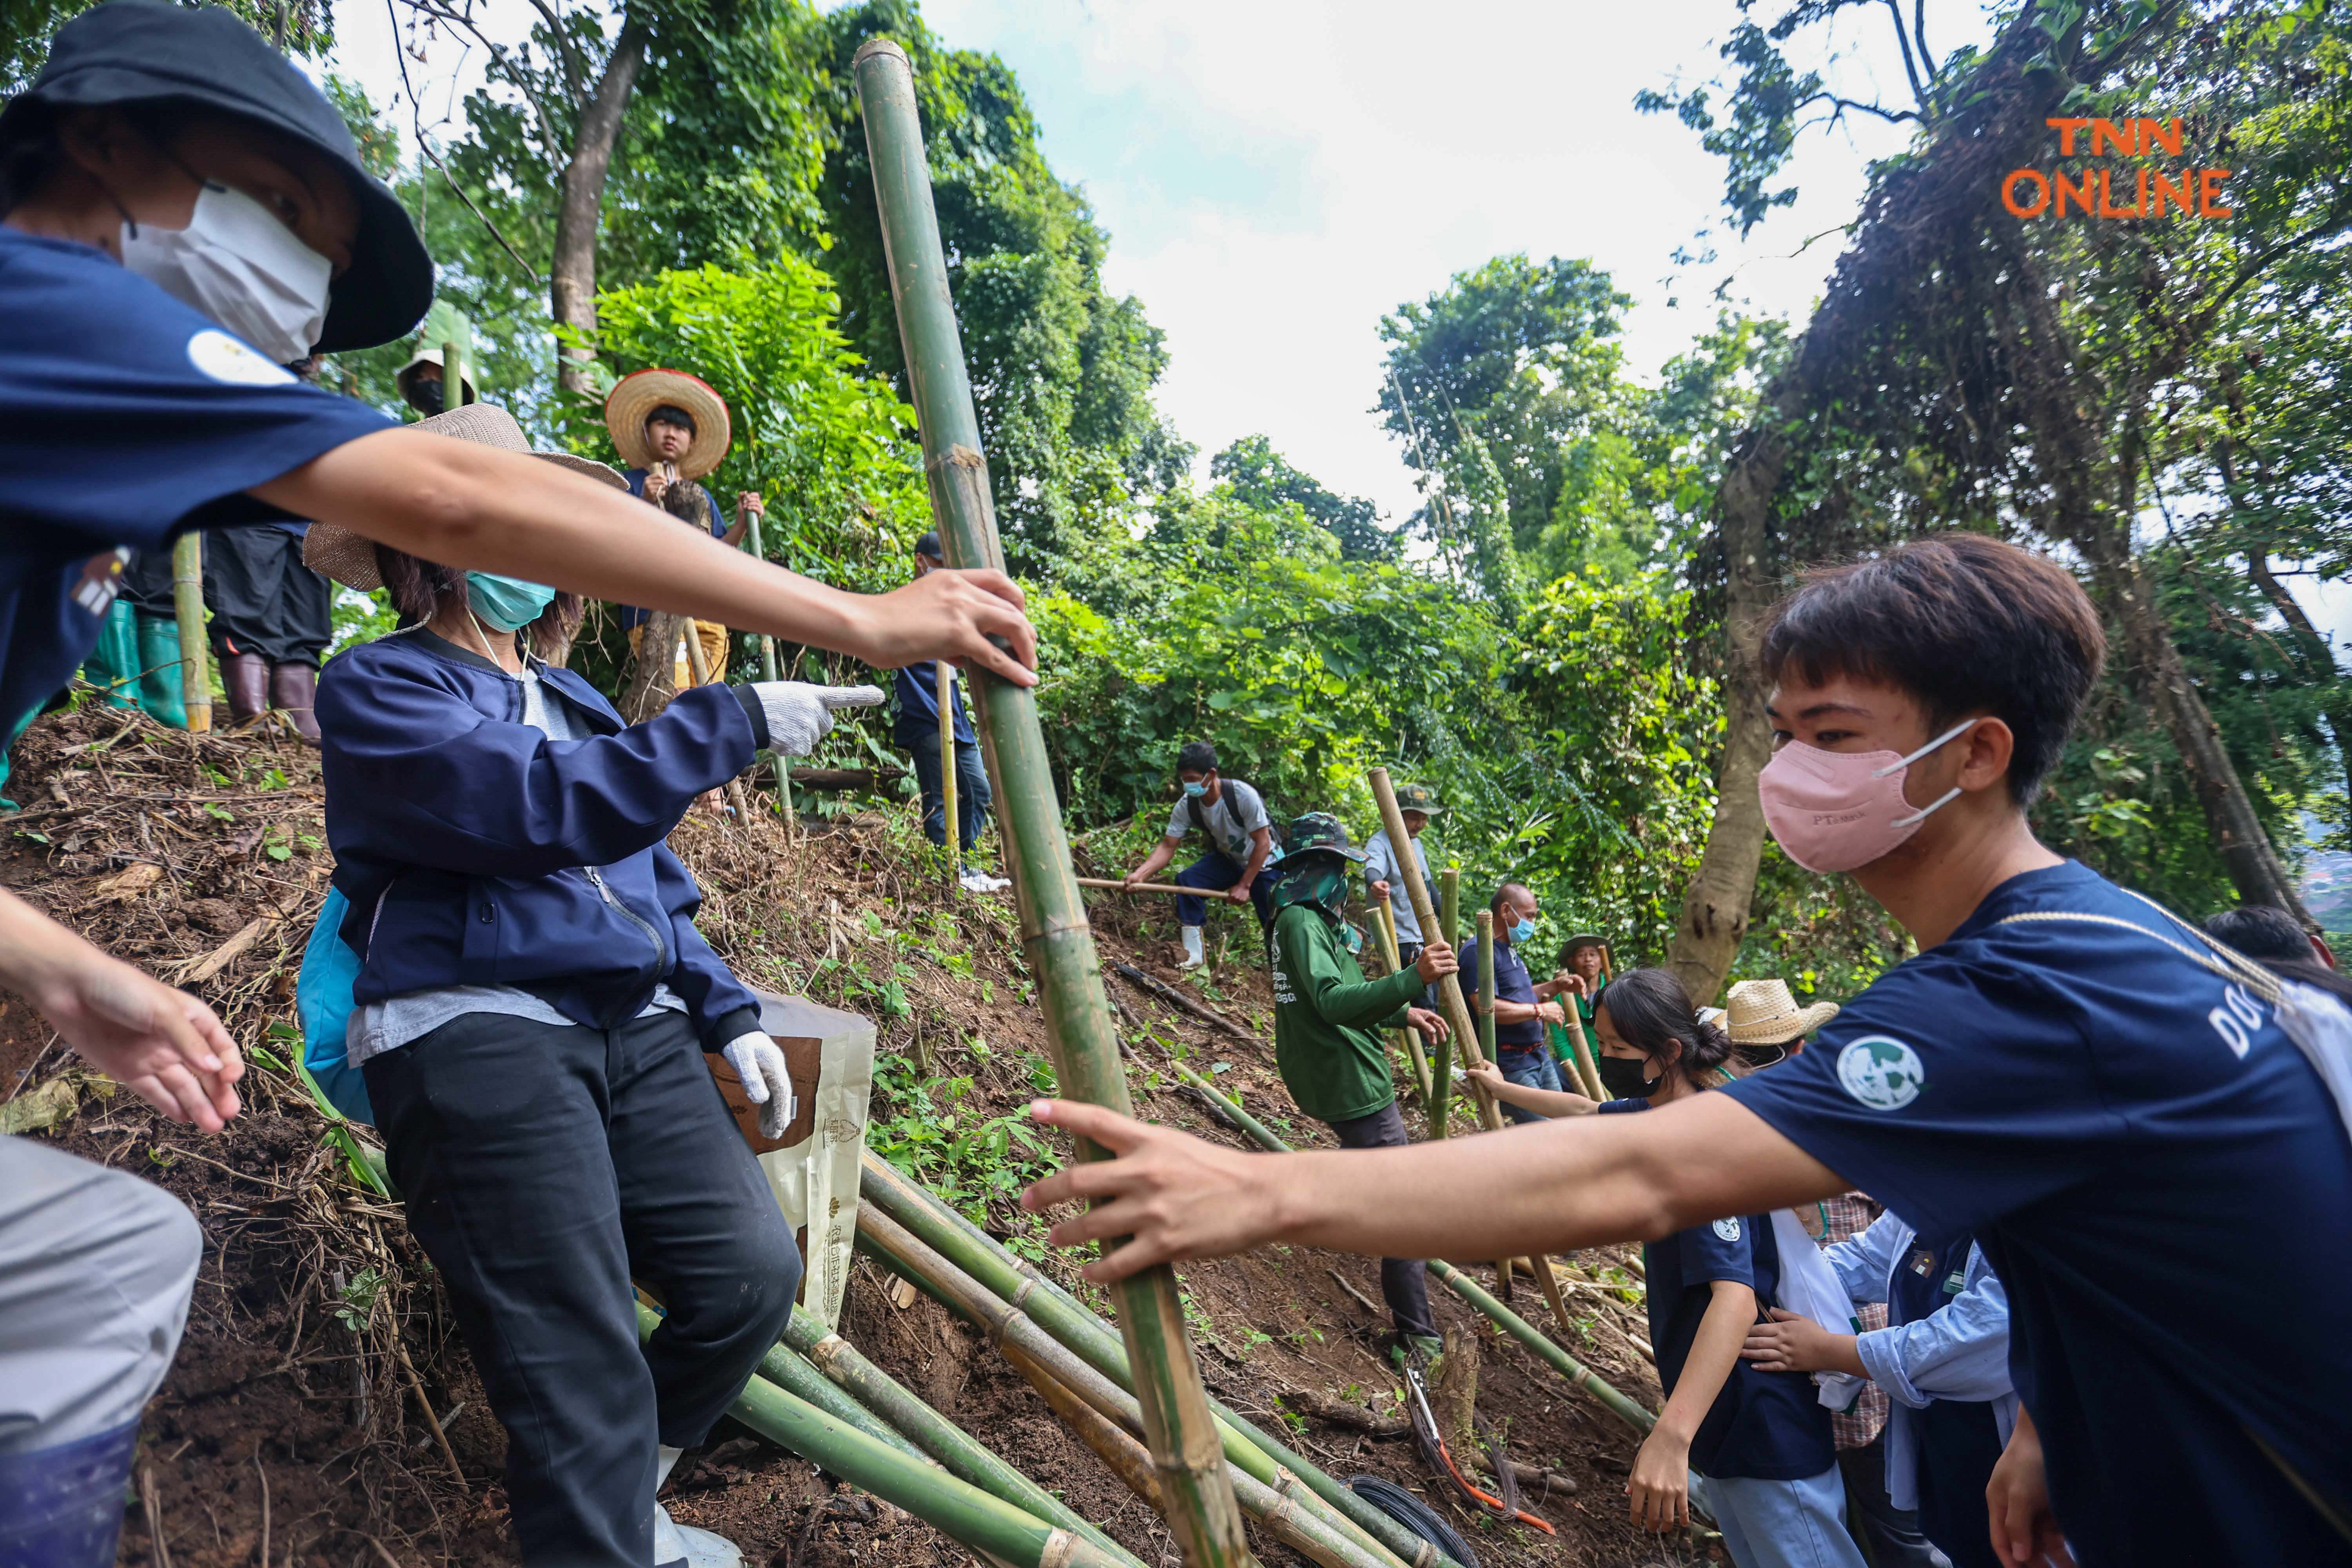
x: 2090, y: 193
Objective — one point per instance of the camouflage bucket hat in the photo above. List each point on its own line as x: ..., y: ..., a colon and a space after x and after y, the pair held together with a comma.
x: 1420, y: 798
x: 1319, y: 831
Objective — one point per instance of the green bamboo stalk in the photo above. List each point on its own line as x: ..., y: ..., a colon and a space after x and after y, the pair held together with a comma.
x: 1449, y: 904
x: 188, y: 610
x: 943, y: 675
x: 1580, y: 1052
x: 1448, y: 928
x: 1015, y: 1331
x: 1252, y: 1450
x: 1384, y: 923
x: 768, y: 669
x: 1258, y: 1131
x: 1055, y: 939
x: 1527, y: 1334
x: 1487, y: 983
x: 960, y: 1453
x: 789, y: 1372
x: 955, y: 1508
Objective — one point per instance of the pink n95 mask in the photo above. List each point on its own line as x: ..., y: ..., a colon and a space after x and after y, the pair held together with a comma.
x: 1832, y: 811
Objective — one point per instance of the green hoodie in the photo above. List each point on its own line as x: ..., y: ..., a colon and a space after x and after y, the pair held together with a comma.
x: 1326, y: 1018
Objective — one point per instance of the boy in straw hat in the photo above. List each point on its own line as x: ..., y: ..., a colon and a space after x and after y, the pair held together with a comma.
x: 671, y: 429
x: 182, y: 215
x: 1765, y: 1022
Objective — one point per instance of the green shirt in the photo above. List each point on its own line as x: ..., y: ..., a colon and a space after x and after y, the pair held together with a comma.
x: 1328, y: 1016
x: 1562, y: 1046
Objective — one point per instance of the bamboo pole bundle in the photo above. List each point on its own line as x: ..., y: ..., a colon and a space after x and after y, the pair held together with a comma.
x: 956, y: 1451
x: 1015, y: 1333
x: 1457, y: 1014
x: 1071, y: 1323
x: 1527, y: 1334
x: 956, y: 1507
x: 188, y: 611
x: 1384, y: 923
x: 1060, y: 949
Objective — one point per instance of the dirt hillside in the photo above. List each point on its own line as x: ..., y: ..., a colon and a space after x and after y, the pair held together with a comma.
x: 293, y: 1427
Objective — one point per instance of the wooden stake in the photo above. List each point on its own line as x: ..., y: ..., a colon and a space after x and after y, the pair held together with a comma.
x: 943, y: 675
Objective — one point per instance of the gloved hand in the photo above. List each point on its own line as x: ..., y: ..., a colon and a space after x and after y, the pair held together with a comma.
x: 758, y: 1061
x: 799, y: 715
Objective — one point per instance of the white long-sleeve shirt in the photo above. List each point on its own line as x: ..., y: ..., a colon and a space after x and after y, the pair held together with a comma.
x: 1959, y: 1352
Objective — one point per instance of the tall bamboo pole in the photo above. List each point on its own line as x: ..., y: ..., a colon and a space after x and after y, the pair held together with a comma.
x: 1384, y: 923
x: 1449, y: 903
x: 458, y: 371
x: 1487, y: 983
x: 1457, y: 1014
x: 1056, y: 940
x: 188, y: 610
x: 751, y: 517
x: 943, y: 674
x: 1580, y: 1052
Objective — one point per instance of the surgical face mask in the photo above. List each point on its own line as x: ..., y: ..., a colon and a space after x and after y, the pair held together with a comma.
x: 1195, y: 791
x: 1523, y: 932
x: 240, y: 267
x: 1832, y: 811
x: 1623, y: 1077
x: 506, y: 603
x: 424, y: 396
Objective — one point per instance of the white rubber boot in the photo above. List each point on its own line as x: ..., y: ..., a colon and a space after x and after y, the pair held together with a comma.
x: 1194, y: 957
x: 676, y: 1543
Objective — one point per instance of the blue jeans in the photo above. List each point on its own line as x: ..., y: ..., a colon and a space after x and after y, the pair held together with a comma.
x: 1783, y: 1524
x: 1216, y: 871
x: 1530, y: 1067
x: 972, y: 798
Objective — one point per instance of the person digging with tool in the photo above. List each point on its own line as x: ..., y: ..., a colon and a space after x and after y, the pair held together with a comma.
x: 1522, y: 1007
x: 1384, y: 880
x: 182, y: 214
x: 2142, y: 1131
x: 1238, y: 863
x: 474, y: 784
x: 1327, y: 1020
x: 916, y: 691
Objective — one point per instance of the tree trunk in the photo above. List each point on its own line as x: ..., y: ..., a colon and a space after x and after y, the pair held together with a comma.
x: 572, y: 288
x: 2318, y: 659
x: 653, y: 672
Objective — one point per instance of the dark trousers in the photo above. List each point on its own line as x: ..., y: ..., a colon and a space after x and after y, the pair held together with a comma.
x: 146, y: 582
x: 1892, y: 1534
x: 263, y: 599
x: 1404, y: 1283
x: 1530, y: 1066
x: 1216, y: 871
x: 543, y: 1166
x: 972, y: 797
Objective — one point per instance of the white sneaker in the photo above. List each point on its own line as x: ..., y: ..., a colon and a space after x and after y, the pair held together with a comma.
x: 1194, y: 957
x: 675, y: 1543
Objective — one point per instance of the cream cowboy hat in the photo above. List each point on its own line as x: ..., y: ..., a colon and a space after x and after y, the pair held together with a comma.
x: 639, y: 394
x: 1763, y: 1012
x: 334, y: 551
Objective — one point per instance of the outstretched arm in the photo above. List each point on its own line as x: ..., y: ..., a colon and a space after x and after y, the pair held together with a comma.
x: 1551, y: 1188
x: 1549, y: 1103
x: 465, y: 505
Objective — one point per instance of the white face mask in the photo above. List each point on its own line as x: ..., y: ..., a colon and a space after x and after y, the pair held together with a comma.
x: 241, y: 266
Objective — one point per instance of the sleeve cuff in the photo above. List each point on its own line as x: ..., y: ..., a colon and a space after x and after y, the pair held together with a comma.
x: 1878, y: 1350
x: 727, y: 1028
x: 755, y: 711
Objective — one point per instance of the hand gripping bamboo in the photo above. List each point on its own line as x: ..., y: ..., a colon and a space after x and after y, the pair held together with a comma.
x: 1457, y: 1015
x: 1060, y: 948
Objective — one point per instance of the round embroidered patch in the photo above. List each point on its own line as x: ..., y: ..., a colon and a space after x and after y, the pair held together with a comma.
x: 228, y: 359
x: 1883, y: 1073
x: 1728, y: 1228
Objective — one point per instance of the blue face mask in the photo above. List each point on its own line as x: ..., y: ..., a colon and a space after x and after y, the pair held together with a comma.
x: 1523, y: 931
x: 506, y: 603
x: 1195, y: 791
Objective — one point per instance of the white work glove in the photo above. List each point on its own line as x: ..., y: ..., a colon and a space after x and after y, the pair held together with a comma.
x: 758, y: 1061
x: 799, y: 715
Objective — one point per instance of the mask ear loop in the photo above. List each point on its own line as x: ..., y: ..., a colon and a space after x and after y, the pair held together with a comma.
x: 1950, y: 795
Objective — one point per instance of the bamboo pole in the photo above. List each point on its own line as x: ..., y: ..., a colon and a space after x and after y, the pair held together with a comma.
x: 958, y: 1452
x: 188, y: 611
x: 1074, y: 1325
x: 1384, y: 923
x: 1487, y: 983
x: 1449, y: 992
x: 701, y: 669
x: 1580, y: 1052
x: 943, y: 678
x: 456, y: 372
x: 1112, y: 885
x: 1018, y: 1336
x: 1527, y: 1334
x: 1056, y: 940
x: 955, y: 1508
x: 751, y: 517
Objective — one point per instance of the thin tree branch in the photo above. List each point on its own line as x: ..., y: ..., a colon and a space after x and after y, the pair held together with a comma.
x: 1910, y: 67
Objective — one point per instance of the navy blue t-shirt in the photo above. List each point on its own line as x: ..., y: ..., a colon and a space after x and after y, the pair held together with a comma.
x: 917, y: 692
x: 125, y: 418
x: 1512, y: 984
x: 1768, y: 1426
x: 2161, y: 1180
x: 630, y: 615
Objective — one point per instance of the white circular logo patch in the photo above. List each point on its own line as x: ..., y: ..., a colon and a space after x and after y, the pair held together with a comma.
x: 227, y: 359
x: 1883, y: 1073
x: 1728, y: 1228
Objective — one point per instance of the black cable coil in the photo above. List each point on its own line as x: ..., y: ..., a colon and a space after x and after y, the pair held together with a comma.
x: 1415, y: 1515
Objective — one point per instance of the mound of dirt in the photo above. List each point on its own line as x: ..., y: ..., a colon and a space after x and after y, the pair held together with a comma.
x: 321, y: 1410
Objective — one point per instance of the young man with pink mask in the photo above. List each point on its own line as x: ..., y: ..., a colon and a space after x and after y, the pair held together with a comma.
x: 2115, y: 1112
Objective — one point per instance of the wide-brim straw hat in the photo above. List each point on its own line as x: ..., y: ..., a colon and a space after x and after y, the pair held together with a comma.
x: 334, y: 551
x: 1583, y: 939
x: 639, y: 394
x: 1763, y: 1012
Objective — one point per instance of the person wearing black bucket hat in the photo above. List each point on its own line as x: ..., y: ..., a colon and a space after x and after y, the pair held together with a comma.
x: 181, y: 215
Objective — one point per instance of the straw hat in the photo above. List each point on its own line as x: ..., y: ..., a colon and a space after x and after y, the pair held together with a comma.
x: 1763, y: 1012
x: 404, y: 378
x: 334, y: 551
x: 639, y: 394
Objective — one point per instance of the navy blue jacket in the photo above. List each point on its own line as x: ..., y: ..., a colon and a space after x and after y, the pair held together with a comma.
x: 475, y: 851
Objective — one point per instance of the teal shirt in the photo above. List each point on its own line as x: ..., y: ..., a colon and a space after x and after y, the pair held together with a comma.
x: 1327, y: 1018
